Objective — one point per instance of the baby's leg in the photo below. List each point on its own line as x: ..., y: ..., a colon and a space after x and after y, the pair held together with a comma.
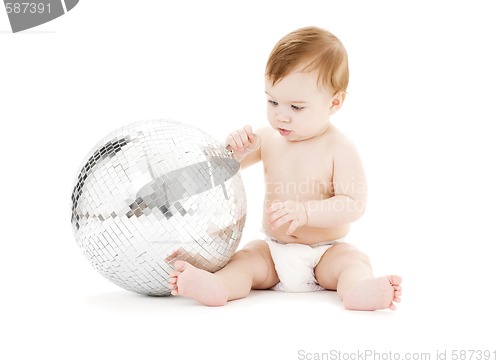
x: 250, y: 267
x: 348, y: 271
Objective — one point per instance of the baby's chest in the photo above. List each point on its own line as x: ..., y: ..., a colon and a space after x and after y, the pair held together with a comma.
x: 310, y: 174
x: 305, y: 160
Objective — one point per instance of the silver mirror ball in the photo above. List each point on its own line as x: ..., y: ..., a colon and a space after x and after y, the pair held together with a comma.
x: 154, y: 192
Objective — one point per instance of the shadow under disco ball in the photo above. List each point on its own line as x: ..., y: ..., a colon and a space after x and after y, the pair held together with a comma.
x: 154, y: 192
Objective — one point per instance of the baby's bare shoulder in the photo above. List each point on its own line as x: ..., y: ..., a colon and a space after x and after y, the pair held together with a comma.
x: 346, y: 158
x: 266, y: 135
x: 340, y: 143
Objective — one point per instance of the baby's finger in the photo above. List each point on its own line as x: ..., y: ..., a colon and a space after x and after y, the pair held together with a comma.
x: 248, y: 131
x: 280, y: 222
x: 244, y: 137
x: 274, y: 206
x: 254, y: 143
x: 235, y: 141
x: 276, y: 215
x: 293, y: 226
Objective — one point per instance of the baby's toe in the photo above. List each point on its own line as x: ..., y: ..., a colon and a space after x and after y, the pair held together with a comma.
x: 395, y: 280
x: 181, y: 265
x: 174, y: 274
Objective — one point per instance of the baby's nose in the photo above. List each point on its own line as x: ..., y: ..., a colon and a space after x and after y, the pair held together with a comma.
x: 283, y: 118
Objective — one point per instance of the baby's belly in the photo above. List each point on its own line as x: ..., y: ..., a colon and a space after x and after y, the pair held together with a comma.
x: 305, y: 234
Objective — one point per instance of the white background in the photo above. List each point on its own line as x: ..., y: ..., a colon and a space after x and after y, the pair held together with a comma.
x: 422, y: 109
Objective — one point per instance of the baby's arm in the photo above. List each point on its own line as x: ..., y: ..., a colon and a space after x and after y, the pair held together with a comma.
x: 346, y: 206
x: 349, y: 202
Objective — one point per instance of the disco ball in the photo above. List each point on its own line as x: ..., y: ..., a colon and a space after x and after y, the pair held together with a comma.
x: 154, y: 192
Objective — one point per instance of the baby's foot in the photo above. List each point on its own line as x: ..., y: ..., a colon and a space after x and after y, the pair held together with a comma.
x: 198, y: 284
x: 374, y: 294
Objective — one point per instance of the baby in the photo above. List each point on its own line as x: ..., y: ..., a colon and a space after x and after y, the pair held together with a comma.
x: 315, y: 187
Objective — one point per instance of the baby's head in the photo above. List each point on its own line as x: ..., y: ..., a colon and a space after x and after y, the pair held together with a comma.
x: 306, y: 82
x: 310, y: 49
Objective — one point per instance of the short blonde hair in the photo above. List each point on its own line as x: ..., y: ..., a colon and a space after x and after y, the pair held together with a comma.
x: 315, y: 49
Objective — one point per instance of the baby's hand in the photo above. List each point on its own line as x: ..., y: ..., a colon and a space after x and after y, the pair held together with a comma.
x: 242, y: 142
x: 282, y: 212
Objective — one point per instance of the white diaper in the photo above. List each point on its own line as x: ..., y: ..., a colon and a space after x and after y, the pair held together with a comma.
x: 295, y: 263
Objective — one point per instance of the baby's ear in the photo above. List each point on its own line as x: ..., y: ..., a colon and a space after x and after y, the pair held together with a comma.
x: 337, y: 101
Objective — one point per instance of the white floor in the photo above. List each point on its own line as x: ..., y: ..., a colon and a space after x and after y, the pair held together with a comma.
x: 62, y: 311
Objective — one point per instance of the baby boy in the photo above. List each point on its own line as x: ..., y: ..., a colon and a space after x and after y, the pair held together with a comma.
x: 315, y: 188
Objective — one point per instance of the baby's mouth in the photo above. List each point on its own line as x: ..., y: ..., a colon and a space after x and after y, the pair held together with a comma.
x: 284, y: 132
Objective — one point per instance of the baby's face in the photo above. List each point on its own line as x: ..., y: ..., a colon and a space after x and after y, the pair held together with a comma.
x: 297, y: 107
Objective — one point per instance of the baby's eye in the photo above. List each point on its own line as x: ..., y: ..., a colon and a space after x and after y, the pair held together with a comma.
x: 273, y: 103
x: 297, y: 108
